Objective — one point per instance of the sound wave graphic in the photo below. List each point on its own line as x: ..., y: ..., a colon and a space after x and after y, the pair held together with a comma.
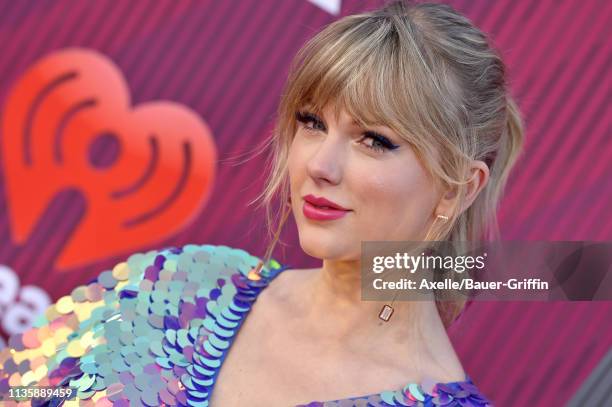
x: 145, y: 171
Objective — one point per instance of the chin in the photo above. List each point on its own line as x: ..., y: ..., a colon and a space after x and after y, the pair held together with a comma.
x: 322, y: 245
x: 318, y: 244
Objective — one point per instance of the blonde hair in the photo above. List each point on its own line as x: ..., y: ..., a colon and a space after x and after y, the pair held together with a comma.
x: 425, y: 71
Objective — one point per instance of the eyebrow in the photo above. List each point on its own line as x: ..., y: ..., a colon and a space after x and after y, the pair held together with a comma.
x: 353, y: 122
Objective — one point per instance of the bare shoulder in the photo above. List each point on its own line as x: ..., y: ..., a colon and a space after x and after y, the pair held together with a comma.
x: 441, y: 361
x: 289, y: 281
x: 437, y: 363
x: 449, y: 368
x: 285, y: 291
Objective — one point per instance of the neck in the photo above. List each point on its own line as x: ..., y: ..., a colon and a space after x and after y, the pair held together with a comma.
x: 327, y: 310
x: 333, y: 300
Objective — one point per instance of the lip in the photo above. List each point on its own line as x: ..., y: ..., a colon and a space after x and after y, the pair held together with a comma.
x: 313, y: 209
x: 320, y: 201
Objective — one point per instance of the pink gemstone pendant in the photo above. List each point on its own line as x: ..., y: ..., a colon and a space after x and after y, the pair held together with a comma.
x: 386, y: 312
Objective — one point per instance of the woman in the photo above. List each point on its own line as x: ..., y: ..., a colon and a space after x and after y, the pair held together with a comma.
x: 394, y: 125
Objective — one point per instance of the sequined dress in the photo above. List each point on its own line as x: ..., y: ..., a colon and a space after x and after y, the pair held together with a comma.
x: 155, y: 330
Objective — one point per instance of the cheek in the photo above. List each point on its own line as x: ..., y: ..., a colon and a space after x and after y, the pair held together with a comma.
x: 394, y: 201
x: 295, y: 163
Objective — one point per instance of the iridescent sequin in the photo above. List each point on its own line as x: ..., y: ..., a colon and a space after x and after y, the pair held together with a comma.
x: 155, y: 330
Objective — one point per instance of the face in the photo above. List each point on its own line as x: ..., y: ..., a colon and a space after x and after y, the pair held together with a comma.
x: 372, y: 173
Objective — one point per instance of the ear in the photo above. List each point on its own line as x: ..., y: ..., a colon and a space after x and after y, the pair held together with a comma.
x: 479, y: 176
x: 477, y: 179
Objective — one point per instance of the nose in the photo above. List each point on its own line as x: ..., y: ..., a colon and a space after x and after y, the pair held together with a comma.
x: 325, y: 164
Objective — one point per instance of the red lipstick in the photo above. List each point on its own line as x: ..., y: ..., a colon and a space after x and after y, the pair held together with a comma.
x: 319, y: 208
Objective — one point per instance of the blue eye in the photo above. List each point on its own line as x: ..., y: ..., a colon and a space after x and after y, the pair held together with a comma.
x: 305, y: 118
x: 380, y: 143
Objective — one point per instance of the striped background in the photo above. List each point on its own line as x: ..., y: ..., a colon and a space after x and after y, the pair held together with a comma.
x: 227, y: 61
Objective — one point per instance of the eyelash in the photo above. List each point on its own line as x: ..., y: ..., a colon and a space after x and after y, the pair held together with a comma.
x: 386, y: 144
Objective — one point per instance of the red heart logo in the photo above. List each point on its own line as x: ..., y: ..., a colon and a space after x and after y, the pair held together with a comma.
x: 155, y: 185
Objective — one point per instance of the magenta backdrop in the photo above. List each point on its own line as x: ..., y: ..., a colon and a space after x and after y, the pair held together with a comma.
x: 227, y: 60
